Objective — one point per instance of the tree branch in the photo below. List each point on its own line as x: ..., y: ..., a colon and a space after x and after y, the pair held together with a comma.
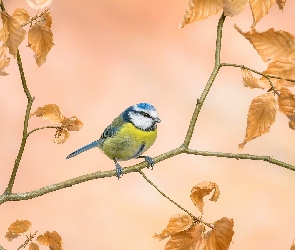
x: 36, y: 129
x: 175, y: 203
x: 209, y: 84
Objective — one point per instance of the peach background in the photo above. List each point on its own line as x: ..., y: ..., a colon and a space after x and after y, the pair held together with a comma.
x: 109, y: 55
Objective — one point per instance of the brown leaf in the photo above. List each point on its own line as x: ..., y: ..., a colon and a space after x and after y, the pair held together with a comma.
x: 260, y: 9
x: 33, y: 246
x: 200, y: 9
x: 202, y: 189
x: 286, y: 101
x: 4, y: 60
x: 234, y: 7
x: 176, y: 224
x: 72, y: 124
x: 12, y: 33
x: 61, y: 135
x: 270, y: 44
x: 20, y: 226
x: 261, y: 116
x: 292, y: 121
x: 16, y: 228
x: 191, y: 239
x: 38, y: 4
x: 53, y: 240
x: 49, y: 112
x: 21, y: 15
x: 220, y: 237
x: 283, y: 83
x: 281, y: 4
x: 252, y: 82
x: 40, y: 39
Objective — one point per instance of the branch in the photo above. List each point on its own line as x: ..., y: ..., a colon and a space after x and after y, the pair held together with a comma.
x: 190, y: 214
x: 2, y: 248
x: 35, y: 17
x: 25, y: 129
x: 268, y: 159
x: 32, y: 236
x: 206, y: 90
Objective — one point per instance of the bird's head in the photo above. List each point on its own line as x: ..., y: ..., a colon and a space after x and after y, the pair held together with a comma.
x: 143, y: 115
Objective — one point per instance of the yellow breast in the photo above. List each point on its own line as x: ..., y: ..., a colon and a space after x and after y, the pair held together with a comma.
x: 128, y: 143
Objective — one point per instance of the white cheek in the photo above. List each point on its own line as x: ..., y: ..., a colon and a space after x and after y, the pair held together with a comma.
x: 141, y: 121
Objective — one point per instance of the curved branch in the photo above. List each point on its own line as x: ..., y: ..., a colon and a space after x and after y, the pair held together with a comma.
x: 209, y: 84
x: 36, y: 129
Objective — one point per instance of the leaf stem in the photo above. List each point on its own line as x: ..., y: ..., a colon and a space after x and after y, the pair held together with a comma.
x: 36, y: 129
x: 174, y: 202
x: 32, y: 236
x: 209, y: 84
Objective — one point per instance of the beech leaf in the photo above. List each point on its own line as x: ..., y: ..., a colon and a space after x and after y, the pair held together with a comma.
x: 286, y: 101
x: 191, y: 239
x: 53, y: 240
x: 21, y: 15
x: 72, y: 124
x: 220, y: 237
x: 4, y: 60
x: 16, y: 228
x: 261, y: 116
x: 252, y: 82
x: 200, y: 9
x: 204, y: 188
x: 259, y: 9
x: 49, y: 112
x: 281, y: 4
x: 12, y: 33
x: 176, y: 224
x: 40, y: 39
x: 234, y: 7
x: 33, y: 246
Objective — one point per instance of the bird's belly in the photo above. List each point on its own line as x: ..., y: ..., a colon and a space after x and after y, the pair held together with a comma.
x: 128, y: 143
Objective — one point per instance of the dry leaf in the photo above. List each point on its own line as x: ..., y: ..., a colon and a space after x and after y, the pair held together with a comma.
x: 49, y: 112
x: 40, y: 39
x: 61, y: 135
x: 281, y: 4
x: 176, y: 224
x: 260, y: 9
x: 199, y: 10
x: 220, y: 237
x: 53, y: 240
x: 4, y: 60
x: 202, y: 189
x: 261, y: 116
x: 250, y: 81
x: 21, y: 15
x: 33, y: 246
x: 72, y: 124
x: 12, y: 33
x: 270, y: 44
x: 286, y: 101
x: 191, y: 239
x: 234, y: 7
x: 38, y: 4
x: 292, y: 121
x: 283, y: 83
x: 16, y: 228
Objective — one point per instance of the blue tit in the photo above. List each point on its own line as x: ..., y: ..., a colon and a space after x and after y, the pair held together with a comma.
x: 128, y: 136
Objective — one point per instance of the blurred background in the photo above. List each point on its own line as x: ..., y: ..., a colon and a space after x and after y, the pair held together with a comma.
x: 109, y: 55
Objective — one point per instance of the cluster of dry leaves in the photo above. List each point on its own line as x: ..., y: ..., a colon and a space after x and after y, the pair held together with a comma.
x: 19, y: 227
x: 275, y: 47
x: 40, y: 36
x: 186, y: 232
x: 53, y: 114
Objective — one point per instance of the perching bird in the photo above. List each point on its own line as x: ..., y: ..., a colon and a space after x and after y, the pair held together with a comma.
x: 128, y: 136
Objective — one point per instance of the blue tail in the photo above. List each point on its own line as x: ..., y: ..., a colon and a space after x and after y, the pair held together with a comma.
x: 85, y: 148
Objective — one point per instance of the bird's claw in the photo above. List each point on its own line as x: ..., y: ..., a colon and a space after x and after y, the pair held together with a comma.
x: 119, y: 171
x: 150, y: 161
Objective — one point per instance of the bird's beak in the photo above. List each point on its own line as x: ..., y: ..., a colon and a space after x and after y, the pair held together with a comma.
x: 157, y: 120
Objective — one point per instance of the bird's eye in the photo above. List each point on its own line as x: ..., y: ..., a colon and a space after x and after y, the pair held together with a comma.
x: 145, y: 114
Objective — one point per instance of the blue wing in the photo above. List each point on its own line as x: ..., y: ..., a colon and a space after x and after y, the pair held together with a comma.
x: 85, y: 148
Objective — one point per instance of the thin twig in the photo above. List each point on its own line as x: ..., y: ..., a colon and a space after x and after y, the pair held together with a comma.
x: 174, y: 202
x: 209, y: 84
x: 2, y: 248
x: 32, y: 236
x: 36, y: 129
x: 35, y: 17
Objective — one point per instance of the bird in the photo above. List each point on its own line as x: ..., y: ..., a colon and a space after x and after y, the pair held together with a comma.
x: 129, y: 135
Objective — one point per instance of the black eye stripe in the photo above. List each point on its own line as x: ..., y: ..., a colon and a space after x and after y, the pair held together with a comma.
x: 144, y: 114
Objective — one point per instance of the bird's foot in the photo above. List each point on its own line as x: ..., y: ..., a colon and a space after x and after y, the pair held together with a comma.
x: 149, y: 160
x: 119, y: 170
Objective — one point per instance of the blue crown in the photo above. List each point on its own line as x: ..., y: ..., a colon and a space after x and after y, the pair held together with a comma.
x: 145, y: 106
